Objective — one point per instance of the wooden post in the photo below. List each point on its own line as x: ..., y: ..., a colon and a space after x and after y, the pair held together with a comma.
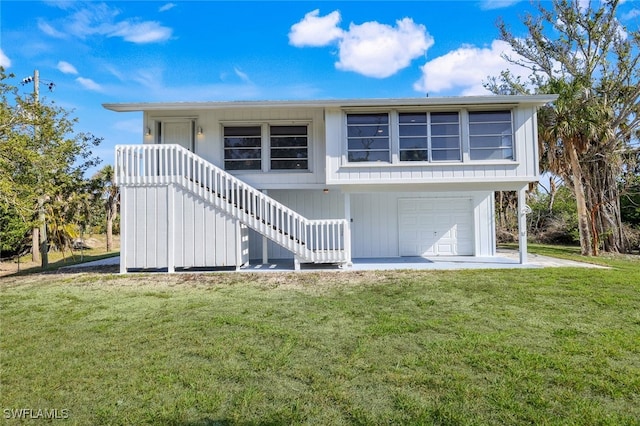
x: 123, y: 230
x: 171, y: 229
x: 347, y: 229
x: 265, y: 242
x: 522, y: 225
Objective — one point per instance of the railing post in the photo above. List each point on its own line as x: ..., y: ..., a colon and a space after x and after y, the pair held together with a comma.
x: 346, y: 236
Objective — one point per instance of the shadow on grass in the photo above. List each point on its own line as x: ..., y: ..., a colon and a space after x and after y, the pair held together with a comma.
x: 69, y: 263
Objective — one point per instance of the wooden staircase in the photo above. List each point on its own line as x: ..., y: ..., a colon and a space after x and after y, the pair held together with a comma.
x: 311, y: 241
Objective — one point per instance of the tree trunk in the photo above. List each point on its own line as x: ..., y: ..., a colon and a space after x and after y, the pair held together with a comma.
x: 552, y: 193
x: 44, y: 238
x: 109, y: 233
x: 581, y: 204
x: 35, y: 245
x: 112, y: 210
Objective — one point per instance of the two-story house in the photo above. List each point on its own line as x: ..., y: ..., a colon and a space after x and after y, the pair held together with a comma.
x: 219, y: 183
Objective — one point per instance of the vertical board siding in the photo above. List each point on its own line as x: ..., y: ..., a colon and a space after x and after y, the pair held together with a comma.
x: 203, y: 236
x: 375, y: 225
x: 147, y: 224
x: 375, y: 228
x: 525, y: 165
x: 210, y: 145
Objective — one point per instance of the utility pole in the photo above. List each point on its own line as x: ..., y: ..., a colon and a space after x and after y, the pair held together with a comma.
x: 42, y: 219
x: 39, y: 238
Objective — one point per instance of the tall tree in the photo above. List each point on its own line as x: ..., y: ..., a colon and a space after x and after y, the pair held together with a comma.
x: 585, y: 55
x: 41, y: 156
x: 109, y: 194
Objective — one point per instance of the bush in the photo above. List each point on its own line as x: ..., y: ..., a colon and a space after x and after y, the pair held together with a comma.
x: 558, y: 225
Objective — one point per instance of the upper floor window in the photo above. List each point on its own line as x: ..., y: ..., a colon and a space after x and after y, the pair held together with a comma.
x: 243, y: 148
x: 368, y: 137
x: 289, y: 147
x: 490, y: 135
x: 286, y: 148
x: 429, y: 136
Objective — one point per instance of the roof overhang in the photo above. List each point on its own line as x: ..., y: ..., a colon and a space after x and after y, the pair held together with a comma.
x: 461, y: 101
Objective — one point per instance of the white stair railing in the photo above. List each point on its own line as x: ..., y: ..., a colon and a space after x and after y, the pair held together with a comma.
x: 318, y: 241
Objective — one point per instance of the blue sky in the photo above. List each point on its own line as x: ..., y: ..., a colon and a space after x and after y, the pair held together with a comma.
x: 153, y: 51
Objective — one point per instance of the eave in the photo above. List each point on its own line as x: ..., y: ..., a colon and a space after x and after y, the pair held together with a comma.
x: 459, y: 101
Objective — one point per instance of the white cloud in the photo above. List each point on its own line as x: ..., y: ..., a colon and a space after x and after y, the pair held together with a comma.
x: 378, y: 50
x: 91, y: 19
x: 89, y: 84
x: 584, y: 4
x: 166, y: 7
x: 5, y: 62
x: 371, y: 49
x: 50, y: 31
x: 242, y: 75
x: 315, y: 30
x: 465, y: 69
x: 497, y: 4
x: 67, y: 68
x: 143, y: 32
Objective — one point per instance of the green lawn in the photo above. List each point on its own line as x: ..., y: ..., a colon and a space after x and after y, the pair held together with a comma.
x: 514, y: 346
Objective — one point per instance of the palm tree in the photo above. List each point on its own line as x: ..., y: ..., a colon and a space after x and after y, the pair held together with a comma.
x: 568, y: 129
x: 110, y: 194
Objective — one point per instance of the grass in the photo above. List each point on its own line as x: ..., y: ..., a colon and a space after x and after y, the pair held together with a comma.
x: 513, y: 346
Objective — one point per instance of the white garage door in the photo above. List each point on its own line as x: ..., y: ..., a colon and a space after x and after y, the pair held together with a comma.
x: 432, y: 227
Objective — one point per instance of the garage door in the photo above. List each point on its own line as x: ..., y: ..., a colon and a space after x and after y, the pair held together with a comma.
x: 432, y: 227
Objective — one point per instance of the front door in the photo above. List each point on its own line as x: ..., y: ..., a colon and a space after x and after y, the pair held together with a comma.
x: 178, y: 132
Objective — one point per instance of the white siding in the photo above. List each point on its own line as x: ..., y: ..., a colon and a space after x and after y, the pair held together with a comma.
x: 210, y: 144
x: 145, y: 214
x: 201, y: 235
x: 375, y: 227
x: 327, y: 160
x: 464, y: 175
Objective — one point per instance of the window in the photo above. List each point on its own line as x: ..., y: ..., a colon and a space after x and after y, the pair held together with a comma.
x: 368, y: 137
x: 286, y: 149
x: 429, y: 136
x: 490, y: 135
x: 242, y: 148
x: 289, y: 147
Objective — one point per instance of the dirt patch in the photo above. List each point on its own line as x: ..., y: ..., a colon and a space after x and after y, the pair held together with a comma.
x: 107, y: 277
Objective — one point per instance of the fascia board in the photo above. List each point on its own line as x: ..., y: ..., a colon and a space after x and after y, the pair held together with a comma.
x: 536, y: 100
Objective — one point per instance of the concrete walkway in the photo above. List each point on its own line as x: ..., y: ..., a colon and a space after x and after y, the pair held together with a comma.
x: 504, y: 259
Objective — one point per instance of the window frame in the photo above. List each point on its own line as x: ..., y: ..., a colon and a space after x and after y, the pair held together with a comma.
x: 255, y: 159
x: 464, y: 135
x: 430, y: 136
x: 387, y: 137
x: 284, y: 148
x: 266, y: 147
x: 502, y: 148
